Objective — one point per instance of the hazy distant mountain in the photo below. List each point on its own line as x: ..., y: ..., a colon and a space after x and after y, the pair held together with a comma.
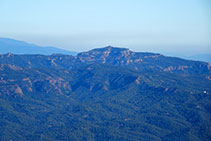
x: 104, y: 94
x: 8, y: 45
x: 201, y: 57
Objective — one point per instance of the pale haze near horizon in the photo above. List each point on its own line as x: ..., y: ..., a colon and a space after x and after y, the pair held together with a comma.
x: 165, y: 26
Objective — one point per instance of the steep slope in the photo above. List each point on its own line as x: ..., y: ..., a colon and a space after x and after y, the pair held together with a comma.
x: 8, y: 45
x: 61, y: 97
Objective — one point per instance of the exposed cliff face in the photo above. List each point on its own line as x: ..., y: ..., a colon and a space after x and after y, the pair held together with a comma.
x: 11, y: 90
x: 141, y: 61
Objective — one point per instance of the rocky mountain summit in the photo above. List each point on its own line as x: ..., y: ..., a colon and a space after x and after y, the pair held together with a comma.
x: 140, y: 60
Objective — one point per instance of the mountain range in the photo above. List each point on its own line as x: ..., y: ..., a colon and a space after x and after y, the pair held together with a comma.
x: 104, y: 94
x: 8, y: 45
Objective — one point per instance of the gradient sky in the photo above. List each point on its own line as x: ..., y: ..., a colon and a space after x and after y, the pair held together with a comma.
x: 172, y: 26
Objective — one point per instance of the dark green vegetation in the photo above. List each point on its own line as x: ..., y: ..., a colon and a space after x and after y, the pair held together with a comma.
x: 104, y: 94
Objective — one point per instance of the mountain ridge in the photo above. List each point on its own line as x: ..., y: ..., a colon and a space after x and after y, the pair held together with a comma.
x: 8, y: 45
x: 117, y: 57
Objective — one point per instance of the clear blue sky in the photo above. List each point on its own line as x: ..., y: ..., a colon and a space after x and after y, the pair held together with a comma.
x: 79, y: 25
